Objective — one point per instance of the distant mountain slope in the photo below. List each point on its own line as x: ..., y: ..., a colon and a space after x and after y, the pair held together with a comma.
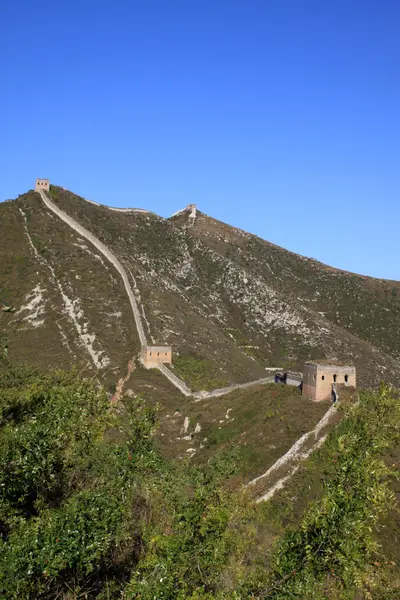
x: 228, y: 302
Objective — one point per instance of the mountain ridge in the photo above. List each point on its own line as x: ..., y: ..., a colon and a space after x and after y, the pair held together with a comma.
x: 230, y: 298
x: 138, y: 209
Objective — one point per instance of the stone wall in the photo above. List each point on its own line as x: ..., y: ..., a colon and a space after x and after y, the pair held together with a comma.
x: 166, y: 350
x: 192, y: 209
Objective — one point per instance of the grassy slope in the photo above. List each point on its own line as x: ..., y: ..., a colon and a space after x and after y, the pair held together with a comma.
x: 262, y: 422
x: 364, y: 306
x: 192, y: 284
x: 19, y: 275
x: 155, y: 251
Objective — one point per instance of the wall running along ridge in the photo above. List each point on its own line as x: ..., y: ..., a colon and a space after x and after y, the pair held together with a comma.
x: 226, y: 390
x: 181, y: 385
x: 114, y: 261
x: 107, y: 253
x: 178, y: 383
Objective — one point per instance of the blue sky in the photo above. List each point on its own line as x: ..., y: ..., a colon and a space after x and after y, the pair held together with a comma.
x: 278, y: 116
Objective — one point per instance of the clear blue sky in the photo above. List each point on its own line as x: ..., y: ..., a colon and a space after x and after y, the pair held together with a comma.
x: 278, y: 116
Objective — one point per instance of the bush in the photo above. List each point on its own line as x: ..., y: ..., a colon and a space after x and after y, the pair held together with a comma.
x: 66, y: 493
x: 87, y: 504
x: 89, y: 508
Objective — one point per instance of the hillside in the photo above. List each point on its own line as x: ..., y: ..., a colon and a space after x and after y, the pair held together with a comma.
x: 233, y: 307
x: 230, y: 304
x: 87, y: 285
x: 89, y: 508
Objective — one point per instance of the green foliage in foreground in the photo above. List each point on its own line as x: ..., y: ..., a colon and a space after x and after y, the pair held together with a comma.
x: 326, y: 557
x: 3, y: 349
x: 88, y: 506
x: 89, y: 509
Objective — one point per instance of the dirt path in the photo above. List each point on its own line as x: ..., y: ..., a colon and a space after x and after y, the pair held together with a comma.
x: 121, y: 382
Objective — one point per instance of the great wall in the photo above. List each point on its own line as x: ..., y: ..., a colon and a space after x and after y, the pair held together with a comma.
x: 41, y: 187
x: 293, y: 457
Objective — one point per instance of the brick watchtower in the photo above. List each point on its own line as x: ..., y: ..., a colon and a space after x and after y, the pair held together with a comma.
x: 323, y: 377
x: 42, y: 184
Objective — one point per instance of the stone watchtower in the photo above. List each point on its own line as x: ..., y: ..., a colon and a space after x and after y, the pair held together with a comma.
x: 42, y: 184
x: 151, y: 356
x: 192, y: 209
x: 324, y: 378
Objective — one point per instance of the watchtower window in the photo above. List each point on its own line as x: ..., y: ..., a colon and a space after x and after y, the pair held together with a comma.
x: 166, y: 353
x: 334, y: 378
x: 150, y: 353
x: 158, y: 354
x: 346, y: 378
x: 323, y: 377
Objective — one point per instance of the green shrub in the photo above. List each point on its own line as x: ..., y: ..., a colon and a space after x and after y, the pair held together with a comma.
x: 66, y: 493
x: 336, y: 538
x: 87, y: 504
x: 89, y: 508
x: 209, y: 530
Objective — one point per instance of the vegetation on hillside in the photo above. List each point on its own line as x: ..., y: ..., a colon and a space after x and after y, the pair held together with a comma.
x: 226, y: 296
x: 333, y: 552
x: 67, y: 298
x: 88, y: 506
x: 200, y: 374
x: 90, y: 509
